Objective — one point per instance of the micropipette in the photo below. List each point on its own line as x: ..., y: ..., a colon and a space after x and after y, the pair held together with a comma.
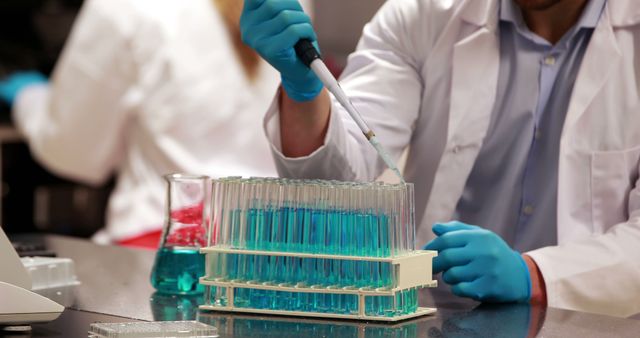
x: 310, y: 56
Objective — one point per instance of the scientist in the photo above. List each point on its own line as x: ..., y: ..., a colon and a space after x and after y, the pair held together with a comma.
x: 146, y: 88
x: 522, y: 119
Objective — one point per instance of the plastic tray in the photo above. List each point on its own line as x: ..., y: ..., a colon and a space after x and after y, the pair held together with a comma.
x: 48, y: 272
x: 152, y: 330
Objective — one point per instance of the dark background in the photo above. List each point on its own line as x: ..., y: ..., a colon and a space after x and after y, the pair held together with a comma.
x: 32, y: 34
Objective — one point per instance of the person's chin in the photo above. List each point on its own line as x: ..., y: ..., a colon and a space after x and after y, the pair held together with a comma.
x: 537, y: 5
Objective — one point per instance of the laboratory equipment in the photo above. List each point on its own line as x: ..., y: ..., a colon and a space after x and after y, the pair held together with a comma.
x: 50, y: 272
x: 314, y: 248
x: 152, y: 330
x: 238, y: 325
x: 168, y: 307
x: 19, y: 305
x: 178, y: 264
x: 310, y: 56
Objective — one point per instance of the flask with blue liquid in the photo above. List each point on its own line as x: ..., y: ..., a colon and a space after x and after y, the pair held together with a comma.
x: 178, y: 264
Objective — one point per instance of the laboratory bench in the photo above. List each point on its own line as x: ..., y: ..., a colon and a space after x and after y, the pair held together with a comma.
x: 115, y: 288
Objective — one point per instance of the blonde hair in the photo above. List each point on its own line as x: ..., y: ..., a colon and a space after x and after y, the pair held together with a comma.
x: 230, y: 11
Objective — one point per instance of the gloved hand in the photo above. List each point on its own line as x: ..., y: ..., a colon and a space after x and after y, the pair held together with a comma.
x: 272, y: 28
x: 11, y: 86
x: 478, y: 264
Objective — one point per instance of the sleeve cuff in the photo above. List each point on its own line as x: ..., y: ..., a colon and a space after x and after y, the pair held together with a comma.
x: 324, y: 162
x: 546, y: 269
x: 30, y: 108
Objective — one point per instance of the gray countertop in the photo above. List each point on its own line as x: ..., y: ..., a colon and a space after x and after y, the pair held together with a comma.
x: 115, y: 282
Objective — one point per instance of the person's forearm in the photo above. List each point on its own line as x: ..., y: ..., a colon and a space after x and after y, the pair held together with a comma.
x: 538, y: 289
x: 303, y: 125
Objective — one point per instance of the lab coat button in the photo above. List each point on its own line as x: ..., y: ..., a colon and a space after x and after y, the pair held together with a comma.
x: 550, y: 60
x: 456, y: 149
x: 528, y: 210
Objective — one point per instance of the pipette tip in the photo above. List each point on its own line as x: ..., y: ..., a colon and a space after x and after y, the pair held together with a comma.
x: 386, y: 158
x: 397, y: 172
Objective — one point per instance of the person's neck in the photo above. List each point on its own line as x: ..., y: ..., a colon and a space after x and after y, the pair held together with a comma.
x: 553, y: 22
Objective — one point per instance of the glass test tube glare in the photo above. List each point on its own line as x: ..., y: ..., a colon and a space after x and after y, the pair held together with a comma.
x: 324, y: 217
x: 313, y: 216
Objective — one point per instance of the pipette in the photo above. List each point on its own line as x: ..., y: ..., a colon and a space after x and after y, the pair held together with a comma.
x: 310, y: 56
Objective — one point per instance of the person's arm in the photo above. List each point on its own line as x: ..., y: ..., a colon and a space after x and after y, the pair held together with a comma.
x: 312, y: 138
x: 600, y: 274
x: 303, y: 125
x: 76, y: 125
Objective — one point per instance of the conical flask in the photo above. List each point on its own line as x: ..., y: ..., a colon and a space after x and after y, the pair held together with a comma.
x: 179, y: 264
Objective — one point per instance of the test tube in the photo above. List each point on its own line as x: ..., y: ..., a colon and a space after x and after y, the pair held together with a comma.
x: 251, y: 215
x: 280, y: 217
x: 242, y: 205
x: 234, y: 213
x: 215, y: 212
x: 228, y: 206
x: 405, y: 217
x: 411, y: 217
x: 324, y: 217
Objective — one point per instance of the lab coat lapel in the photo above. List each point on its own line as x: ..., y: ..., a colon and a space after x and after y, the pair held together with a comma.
x: 474, y: 73
x: 474, y: 81
x: 600, y: 59
x: 475, y: 68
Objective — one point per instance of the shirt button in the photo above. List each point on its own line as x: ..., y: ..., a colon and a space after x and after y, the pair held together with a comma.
x: 550, y: 60
x: 528, y: 210
x: 537, y: 135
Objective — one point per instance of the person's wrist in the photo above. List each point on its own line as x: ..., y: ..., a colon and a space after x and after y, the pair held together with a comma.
x: 538, y: 288
x: 526, y: 297
x: 303, y: 91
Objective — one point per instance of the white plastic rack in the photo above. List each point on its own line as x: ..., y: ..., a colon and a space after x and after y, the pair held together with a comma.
x: 314, y: 248
x: 412, y: 270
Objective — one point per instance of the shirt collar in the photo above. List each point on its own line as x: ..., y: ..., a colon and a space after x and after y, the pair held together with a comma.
x: 510, y: 12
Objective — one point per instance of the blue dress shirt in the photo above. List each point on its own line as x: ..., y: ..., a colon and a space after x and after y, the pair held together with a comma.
x: 512, y: 188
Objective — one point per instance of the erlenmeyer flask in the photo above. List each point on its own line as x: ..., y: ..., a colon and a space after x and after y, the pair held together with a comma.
x: 179, y: 264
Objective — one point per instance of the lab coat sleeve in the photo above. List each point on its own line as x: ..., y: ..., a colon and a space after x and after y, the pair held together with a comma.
x: 600, y: 274
x: 75, y: 126
x: 383, y: 81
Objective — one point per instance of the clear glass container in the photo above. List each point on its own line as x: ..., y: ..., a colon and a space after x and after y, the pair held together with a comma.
x: 179, y: 264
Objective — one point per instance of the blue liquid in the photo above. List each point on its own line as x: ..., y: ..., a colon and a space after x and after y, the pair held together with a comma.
x: 248, y: 327
x: 291, y: 301
x: 320, y: 231
x: 176, y: 271
x: 292, y: 271
x: 405, y: 302
x: 215, y: 296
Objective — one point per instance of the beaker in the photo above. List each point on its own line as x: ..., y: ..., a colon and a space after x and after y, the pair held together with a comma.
x: 179, y: 264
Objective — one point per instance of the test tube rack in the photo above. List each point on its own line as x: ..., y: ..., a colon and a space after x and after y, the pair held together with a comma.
x: 315, y: 249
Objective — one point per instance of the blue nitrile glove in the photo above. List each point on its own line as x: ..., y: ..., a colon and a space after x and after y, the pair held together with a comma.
x: 11, y: 86
x: 478, y: 264
x: 272, y: 28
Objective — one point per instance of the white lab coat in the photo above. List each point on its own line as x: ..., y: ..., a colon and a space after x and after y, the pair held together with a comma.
x: 145, y: 88
x: 425, y: 76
